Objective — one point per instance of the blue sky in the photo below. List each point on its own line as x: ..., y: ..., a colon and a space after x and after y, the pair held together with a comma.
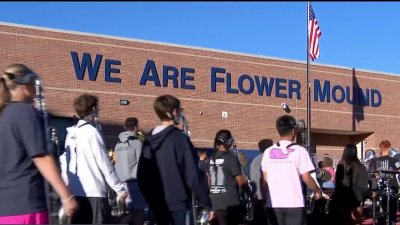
x: 363, y: 35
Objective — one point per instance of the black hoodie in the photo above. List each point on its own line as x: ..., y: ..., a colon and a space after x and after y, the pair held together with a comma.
x: 168, y: 172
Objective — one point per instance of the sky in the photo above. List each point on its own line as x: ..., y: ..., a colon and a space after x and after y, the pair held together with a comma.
x: 361, y: 35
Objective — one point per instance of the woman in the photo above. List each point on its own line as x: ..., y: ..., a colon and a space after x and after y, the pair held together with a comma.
x: 327, y: 164
x: 351, y: 188
x: 226, y: 178
x: 24, y: 159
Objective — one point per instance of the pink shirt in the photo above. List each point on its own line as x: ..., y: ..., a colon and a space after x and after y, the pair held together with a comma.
x: 331, y: 170
x: 284, y: 167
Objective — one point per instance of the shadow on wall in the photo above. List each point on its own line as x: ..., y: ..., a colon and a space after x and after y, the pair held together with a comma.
x: 110, y: 135
x: 111, y: 138
x: 358, y: 101
x: 111, y: 132
x: 249, y: 153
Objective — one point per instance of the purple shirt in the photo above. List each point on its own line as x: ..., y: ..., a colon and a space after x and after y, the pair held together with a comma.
x: 284, y: 166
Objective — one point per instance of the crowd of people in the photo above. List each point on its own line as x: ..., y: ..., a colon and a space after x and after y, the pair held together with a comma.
x: 165, y: 173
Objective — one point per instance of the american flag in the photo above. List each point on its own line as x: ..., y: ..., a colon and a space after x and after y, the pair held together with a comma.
x: 313, y: 34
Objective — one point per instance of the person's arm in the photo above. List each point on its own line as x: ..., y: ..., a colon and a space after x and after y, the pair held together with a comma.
x: 63, y: 167
x: 30, y: 128
x: 104, y: 164
x: 48, y: 168
x: 241, y: 181
x: 314, y: 176
x: 187, y: 159
x: 235, y: 169
x: 310, y: 182
x: 304, y: 167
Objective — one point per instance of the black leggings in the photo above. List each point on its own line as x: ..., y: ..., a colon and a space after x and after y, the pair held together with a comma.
x: 92, y: 210
x: 231, y: 216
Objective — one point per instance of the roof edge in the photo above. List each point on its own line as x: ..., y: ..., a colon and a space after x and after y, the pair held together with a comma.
x: 187, y: 47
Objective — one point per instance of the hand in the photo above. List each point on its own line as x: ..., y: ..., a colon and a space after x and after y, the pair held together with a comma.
x: 70, y: 206
x: 318, y: 195
x: 211, y: 215
x: 325, y: 196
x: 122, y: 195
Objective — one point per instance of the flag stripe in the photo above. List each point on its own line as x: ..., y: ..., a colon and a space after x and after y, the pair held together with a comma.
x: 313, y: 35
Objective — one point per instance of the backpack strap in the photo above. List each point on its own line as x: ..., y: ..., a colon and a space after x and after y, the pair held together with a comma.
x: 130, y: 138
x: 292, y: 144
x: 76, y: 162
x: 83, y: 124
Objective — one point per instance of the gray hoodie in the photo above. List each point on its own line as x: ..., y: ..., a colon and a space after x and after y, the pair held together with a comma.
x: 127, y: 154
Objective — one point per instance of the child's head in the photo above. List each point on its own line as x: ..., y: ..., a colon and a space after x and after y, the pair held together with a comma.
x: 167, y: 107
x: 131, y: 123
x: 86, y: 105
x: 223, y: 140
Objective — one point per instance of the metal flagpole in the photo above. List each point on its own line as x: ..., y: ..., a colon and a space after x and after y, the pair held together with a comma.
x: 308, y: 145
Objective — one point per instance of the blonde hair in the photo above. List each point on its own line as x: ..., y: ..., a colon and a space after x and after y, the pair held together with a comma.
x: 327, y: 162
x: 7, y: 83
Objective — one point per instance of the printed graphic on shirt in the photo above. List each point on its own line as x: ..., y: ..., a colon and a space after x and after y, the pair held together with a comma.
x: 277, y: 153
x: 388, y: 163
x: 217, y: 176
x: 385, y: 165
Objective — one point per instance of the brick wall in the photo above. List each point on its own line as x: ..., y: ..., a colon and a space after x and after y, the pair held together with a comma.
x: 250, y: 117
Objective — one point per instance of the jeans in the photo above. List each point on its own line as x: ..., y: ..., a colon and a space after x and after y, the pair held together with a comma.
x: 286, y: 216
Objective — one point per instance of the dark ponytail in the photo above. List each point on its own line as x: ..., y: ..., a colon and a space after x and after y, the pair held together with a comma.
x: 223, y: 137
x: 5, y: 95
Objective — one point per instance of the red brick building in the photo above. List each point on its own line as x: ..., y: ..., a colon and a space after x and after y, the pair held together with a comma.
x: 218, y: 89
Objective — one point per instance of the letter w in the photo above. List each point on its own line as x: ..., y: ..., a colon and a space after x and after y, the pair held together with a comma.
x: 264, y: 85
x: 80, y: 68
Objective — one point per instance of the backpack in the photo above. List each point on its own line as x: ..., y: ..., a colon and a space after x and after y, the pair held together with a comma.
x: 120, y: 146
x: 126, y: 167
x: 130, y: 138
x: 72, y: 146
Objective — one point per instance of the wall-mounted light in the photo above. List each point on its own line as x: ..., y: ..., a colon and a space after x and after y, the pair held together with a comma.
x: 285, y: 107
x: 124, y: 102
